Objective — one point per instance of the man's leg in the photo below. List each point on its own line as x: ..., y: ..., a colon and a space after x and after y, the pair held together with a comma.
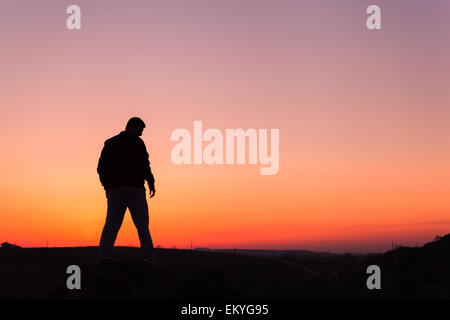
x: 116, y: 210
x: 137, y: 203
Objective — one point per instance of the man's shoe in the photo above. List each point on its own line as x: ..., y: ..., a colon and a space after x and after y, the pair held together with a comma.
x: 103, y: 261
x: 149, y: 262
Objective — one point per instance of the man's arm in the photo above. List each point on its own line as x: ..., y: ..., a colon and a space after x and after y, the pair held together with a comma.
x: 101, y: 167
x: 148, y: 175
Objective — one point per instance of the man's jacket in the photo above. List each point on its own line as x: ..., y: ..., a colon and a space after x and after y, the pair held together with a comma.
x: 124, y: 162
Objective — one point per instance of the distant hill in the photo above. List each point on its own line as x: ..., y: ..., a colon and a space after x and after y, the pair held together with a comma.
x: 418, y: 273
x: 40, y: 273
x: 7, y: 245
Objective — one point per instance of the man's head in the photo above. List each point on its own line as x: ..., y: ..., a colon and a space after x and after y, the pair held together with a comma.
x: 135, y: 125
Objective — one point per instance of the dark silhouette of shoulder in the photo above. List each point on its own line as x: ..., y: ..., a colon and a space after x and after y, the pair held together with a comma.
x: 124, y: 162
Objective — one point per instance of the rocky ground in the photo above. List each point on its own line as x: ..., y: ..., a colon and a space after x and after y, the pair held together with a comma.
x: 406, y: 273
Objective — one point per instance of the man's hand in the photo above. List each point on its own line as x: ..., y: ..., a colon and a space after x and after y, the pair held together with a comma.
x: 152, y: 190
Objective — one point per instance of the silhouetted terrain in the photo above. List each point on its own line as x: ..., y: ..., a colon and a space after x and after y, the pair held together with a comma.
x: 40, y: 273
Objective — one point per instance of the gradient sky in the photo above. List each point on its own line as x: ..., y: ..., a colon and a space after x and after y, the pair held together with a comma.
x: 363, y: 117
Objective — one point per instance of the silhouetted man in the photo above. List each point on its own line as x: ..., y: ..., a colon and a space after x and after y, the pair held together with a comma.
x: 123, y: 168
